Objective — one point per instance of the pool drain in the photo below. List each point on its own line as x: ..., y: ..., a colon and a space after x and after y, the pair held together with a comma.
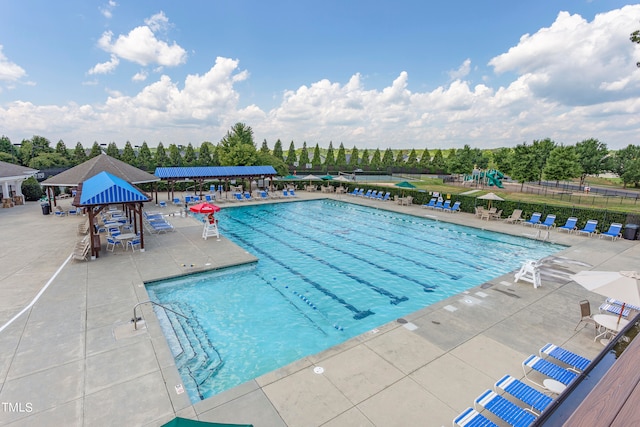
x: 318, y: 370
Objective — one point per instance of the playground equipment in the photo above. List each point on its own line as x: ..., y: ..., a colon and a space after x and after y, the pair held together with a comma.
x: 491, y: 177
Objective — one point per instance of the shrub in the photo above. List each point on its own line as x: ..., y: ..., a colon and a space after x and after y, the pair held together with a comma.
x: 31, y: 189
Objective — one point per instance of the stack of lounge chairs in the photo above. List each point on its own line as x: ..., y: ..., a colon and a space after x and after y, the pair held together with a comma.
x: 156, y: 223
x: 516, y: 403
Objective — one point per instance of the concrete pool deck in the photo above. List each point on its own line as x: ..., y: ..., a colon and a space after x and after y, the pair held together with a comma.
x: 74, y: 359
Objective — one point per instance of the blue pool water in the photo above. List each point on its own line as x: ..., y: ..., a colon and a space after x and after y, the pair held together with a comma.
x: 327, y: 271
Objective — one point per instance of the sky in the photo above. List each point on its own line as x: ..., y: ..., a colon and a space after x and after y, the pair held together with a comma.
x: 402, y: 74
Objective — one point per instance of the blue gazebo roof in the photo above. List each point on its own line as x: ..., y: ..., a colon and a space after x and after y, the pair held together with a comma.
x: 105, y: 188
x: 214, y: 172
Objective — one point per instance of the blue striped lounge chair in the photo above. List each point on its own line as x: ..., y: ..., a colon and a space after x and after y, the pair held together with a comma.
x: 438, y: 205
x: 576, y: 362
x: 368, y: 193
x: 536, y: 400
x: 534, y: 220
x: 589, y: 228
x: 360, y: 193
x: 505, y: 409
x: 472, y: 418
x: 613, y: 231
x: 616, y: 302
x: 373, y: 194
x: 247, y: 196
x: 238, y: 197
x: 263, y: 195
x: 386, y: 197
x: 431, y: 204
x: 454, y: 208
x: 163, y: 204
x: 354, y: 192
x: 292, y: 193
x: 549, y: 222
x: 569, y: 226
x: 445, y: 206
x: 614, y: 309
x: 176, y: 201
x: 548, y: 369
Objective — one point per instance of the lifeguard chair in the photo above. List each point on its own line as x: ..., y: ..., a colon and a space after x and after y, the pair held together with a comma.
x: 210, y: 227
x: 529, y: 272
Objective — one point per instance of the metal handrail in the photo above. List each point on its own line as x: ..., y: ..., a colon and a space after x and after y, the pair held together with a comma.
x: 135, y: 318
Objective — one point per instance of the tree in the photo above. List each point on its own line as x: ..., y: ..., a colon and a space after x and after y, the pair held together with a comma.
x: 41, y: 145
x: 237, y: 148
x: 387, y: 158
x: 354, y: 161
x: 304, y: 155
x: 215, y: 155
x: 626, y: 163
x: 425, y: 159
x: 635, y: 38
x: 160, y: 157
x: 61, y: 149
x: 412, y: 160
x: 317, y: 159
x: 502, y: 159
x: 542, y: 151
x: 592, y: 155
x: 264, y: 149
x: 341, y: 158
x: 400, y: 159
x: 128, y: 154
x: 330, y: 160
x: 292, y: 158
x: 562, y: 164
x: 26, y: 152
x: 462, y: 161
x: 48, y: 160
x: 79, y: 155
x: 175, y: 157
x: 438, y: 163
x: 95, y: 150
x: 7, y: 147
x: 364, y: 160
x: 145, y: 158
x: 189, y: 156
x: 277, y: 151
x: 524, y: 165
x: 112, y: 150
x: 204, y: 154
x: 376, y: 159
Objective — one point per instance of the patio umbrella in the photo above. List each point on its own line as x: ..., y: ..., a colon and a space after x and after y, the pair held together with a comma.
x: 490, y: 197
x: 326, y: 177
x: 204, y: 208
x: 289, y: 178
x: 405, y: 184
x: 342, y: 178
x: 623, y: 286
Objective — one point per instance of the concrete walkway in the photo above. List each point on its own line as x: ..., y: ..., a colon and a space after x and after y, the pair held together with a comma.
x: 74, y: 359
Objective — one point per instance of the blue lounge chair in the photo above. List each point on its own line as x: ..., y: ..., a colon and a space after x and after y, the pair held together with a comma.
x: 590, y: 228
x: 535, y: 219
x: 454, y: 208
x: 431, y: 204
x: 576, y: 362
x: 373, y: 194
x: 176, y: 201
x: 438, y: 205
x: 238, y: 197
x: 505, y: 409
x: 360, y: 193
x: 354, y: 192
x: 386, y: 197
x: 263, y: 195
x: 285, y: 193
x: 368, y: 193
x: 292, y: 193
x: 536, y: 400
x: 247, y: 196
x: 614, y: 309
x: 613, y: 231
x: 616, y: 302
x: 549, y: 222
x: 569, y: 226
x: 445, y: 206
x: 549, y: 369
x: 163, y: 204
x: 207, y: 198
x: 472, y: 418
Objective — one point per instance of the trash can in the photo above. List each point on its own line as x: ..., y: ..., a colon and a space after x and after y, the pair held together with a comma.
x: 45, y: 209
x: 631, y: 231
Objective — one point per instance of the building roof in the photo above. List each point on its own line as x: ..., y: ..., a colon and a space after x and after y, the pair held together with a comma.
x: 214, y: 172
x: 102, y: 163
x: 8, y: 170
x: 105, y: 188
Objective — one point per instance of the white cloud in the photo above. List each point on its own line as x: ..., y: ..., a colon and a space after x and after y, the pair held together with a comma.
x: 462, y: 71
x: 142, y: 46
x: 140, y: 76
x: 107, y: 10
x: 105, y: 67
x: 10, y: 71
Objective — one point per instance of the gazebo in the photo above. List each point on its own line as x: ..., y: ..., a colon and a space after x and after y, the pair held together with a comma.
x: 11, y: 178
x: 102, y: 163
x: 106, y: 189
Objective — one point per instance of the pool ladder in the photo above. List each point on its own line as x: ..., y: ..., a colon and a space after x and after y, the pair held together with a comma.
x: 135, y: 318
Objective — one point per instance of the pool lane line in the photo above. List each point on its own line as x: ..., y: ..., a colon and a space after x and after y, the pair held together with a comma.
x: 426, y: 287
x: 358, y: 314
x: 38, y: 295
x: 393, y: 299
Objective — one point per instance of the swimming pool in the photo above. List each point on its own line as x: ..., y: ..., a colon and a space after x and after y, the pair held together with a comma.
x: 327, y: 271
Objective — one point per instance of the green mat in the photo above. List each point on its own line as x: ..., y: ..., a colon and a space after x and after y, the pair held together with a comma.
x: 184, y: 422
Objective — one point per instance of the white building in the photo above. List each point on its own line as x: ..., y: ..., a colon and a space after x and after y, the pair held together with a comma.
x: 11, y: 178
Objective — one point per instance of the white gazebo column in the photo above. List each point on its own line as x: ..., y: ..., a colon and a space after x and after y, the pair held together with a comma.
x: 5, y: 190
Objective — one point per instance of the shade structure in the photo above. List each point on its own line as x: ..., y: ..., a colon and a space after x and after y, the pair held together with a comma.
x: 342, y: 178
x: 105, y: 188
x: 491, y: 197
x: 185, y: 422
x: 405, y: 184
x: 204, y: 208
x: 290, y: 178
x: 327, y: 177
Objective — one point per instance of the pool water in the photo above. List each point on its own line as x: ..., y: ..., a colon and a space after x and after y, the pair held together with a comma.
x: 327, y: 271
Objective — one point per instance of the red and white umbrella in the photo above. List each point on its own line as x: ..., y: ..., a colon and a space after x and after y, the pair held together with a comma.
x: 204, y: 208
